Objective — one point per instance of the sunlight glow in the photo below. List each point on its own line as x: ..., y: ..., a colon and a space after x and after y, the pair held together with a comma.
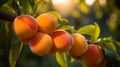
x: 58, y: 2
x: 89, y: 2
x: 102, y: 2
x: 64, y: 6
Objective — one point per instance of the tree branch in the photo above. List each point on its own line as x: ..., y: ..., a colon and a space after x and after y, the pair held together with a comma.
x: 7, y: 16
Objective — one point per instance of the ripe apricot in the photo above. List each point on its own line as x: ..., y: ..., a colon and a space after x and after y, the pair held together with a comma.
x: 41, y: 44
x: 93, y: 55
x: 79, y: 46
x: 25, y: 27
x: 47, y: 23
x: 62, y: 41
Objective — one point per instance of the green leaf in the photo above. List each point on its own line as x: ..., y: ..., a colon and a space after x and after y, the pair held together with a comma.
x: 92, y: 30
x: 36, y: 8
x: 16, y: 6
x: 15, y: 50
x: 117, y: 44
x: 111, y: 55
x: 108, y: 43
x: 32, y: 3
x: 96, y: 32
x: 36, y: 1
x: 7, y: 27
x: 3, y: 38
x: 61, y: 59
x: 68, y: 28
x: 72, y: 60
x: 26, y: 7
x: 88, y: 29
x: 2, y: 2
x: 7, y: 8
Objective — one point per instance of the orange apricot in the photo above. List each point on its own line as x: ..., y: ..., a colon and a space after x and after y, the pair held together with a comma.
x: 62, y: 40
x: 80, y: 45
x: 47, y: 23
x: 93, y: 55
x: 25, y: 27
x: 41, y: 44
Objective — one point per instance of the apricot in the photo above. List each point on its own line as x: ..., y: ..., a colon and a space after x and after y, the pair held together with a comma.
x: 93, y: 55
x: 25, y: 27
x: 47, y: 23
x: 41, y: 44
x: 80, y: 45
x: 62, y: 40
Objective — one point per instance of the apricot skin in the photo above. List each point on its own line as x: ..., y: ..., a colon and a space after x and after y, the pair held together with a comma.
x: 25, y: 27
x: 41, y: 44
x: 93, y: 55
x: 62, y: 41
x: 79, y: 46
x: 47, y: 23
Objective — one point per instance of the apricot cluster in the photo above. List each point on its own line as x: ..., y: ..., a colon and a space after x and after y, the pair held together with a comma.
x: 92, y: 55
x: 41, y: 34
x: 43, y: 37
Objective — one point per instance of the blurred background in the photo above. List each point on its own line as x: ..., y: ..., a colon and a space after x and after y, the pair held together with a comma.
x: 79, y: 13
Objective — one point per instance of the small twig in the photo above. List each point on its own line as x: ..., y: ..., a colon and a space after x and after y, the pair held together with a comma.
x: 7, y: 16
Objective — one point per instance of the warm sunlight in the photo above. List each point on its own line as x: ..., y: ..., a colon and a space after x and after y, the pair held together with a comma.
x: 89, y: 2
x: 58, y: 2
x: 103, y: 2
x: 64, y: 6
